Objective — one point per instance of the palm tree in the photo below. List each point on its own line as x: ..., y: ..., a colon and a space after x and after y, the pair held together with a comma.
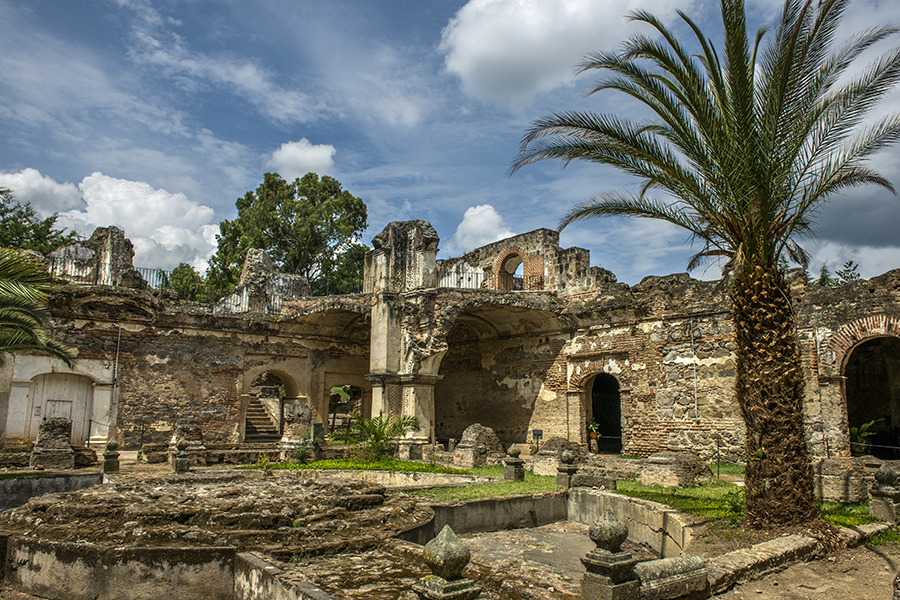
x: 375, y: 434
x: 745, y: 148
x: 24, y: 283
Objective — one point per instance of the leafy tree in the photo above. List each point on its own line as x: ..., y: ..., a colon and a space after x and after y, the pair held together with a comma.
x: 376, y: 433
x: 20, y: 227
x: 745, y: 142
x: 849, y: 273
x: 187, y: 282
x: 24, y: 283
x: 826, y: 279
x: 309, y: 227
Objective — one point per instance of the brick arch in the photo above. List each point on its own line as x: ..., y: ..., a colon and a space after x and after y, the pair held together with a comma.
x: 838, y: 348
x: 532, y: 270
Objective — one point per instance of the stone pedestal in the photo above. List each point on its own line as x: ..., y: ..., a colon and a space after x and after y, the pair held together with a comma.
x: 884, y: 497
x: 181, y: 460
x: 566, y: 470
x: 410, y: 449
x: 195, y: 450
x: 111, y: 457
x: 469, y: 456
x: 513, y: 469
x: 446, y: 556
x: 609, y: 571
x: 53, y: 449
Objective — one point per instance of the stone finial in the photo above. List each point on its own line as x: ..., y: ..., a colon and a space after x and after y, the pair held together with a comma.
x: 886, y: 476
x: 567, y: 457
x: 513, y: 451
x: 608, y: 532
x: 182, y: 445
x: 446, y: 555
x: 112, y: 445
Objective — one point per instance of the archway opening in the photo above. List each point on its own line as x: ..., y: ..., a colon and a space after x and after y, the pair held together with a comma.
x: 606, y: 411
x: 262, y: 420
x: 873, y: 396
x: 511, y: 273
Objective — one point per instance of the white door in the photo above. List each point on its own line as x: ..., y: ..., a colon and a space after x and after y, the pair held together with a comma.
x: 63, y: 395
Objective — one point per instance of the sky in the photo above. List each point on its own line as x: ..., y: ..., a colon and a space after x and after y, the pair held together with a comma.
x: 156, y: 116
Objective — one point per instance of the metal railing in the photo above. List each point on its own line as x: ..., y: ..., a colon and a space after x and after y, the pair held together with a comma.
x: 452, y: 279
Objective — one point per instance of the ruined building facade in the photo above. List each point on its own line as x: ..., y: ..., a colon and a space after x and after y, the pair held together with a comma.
x: 453, y: 342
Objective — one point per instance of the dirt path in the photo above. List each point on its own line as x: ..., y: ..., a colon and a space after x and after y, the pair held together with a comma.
x: 863, y: 573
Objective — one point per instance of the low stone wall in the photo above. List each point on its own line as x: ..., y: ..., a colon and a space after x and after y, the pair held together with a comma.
x: 257, y: 579
x: 85, y: 571
x: 17, y: 491
x: 661, y: 527
x: 491, y: 514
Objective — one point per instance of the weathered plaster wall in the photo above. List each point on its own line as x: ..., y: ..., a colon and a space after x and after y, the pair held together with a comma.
x: 182, y: 362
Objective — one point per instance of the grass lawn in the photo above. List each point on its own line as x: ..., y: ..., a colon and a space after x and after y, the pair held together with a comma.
x: 723, y: 502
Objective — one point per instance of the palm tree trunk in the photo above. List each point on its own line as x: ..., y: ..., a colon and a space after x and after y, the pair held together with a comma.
x: 778, y: 477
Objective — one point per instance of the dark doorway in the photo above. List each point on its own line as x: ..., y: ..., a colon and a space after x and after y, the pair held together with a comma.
x: 606, y: 409
x: 873, y: 397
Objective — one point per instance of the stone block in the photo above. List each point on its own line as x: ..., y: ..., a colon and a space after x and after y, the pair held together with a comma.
x: 842, y: 480
x: 673, y: 469
x: 676, y: 577
x: 468, y: 456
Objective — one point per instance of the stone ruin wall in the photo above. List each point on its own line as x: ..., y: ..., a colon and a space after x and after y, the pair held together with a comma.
x: 180, y: 361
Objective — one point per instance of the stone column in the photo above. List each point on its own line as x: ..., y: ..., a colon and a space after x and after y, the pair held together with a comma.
x: 566, y: 470
x: 111, y: 457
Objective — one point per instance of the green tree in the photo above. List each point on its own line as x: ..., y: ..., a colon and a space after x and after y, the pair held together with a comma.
x: 24, y: 283
x: 20, y: 227
x: 849, y: 273
x: 745, y: 143
x: 826, y: 279
x: 187, y: 282
x: 309, y: 227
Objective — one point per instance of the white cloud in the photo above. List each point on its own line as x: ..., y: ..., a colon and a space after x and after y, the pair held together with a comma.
x: 166, y: 229
x: 45, y: 195
x: 481, y: 225
x: 513, y: 49
x: 158, y: 46
x: 296, y: 159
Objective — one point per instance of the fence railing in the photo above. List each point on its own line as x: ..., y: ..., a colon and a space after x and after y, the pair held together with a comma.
x: 452, y: 279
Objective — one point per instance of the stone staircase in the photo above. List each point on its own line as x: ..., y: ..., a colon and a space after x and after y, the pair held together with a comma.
x: 258, y: 427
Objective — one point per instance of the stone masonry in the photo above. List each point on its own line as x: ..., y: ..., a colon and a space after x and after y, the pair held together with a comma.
x: 455, y: 342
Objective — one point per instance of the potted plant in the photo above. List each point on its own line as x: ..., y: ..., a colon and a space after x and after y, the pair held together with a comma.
x: 593, y: 427
x: 859, y: 438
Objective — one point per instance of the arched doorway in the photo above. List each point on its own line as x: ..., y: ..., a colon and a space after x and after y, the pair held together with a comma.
x: 872, y: 373
x: 606, y: 412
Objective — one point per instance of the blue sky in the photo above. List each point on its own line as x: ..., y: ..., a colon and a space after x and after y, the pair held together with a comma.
x: 156, y: 116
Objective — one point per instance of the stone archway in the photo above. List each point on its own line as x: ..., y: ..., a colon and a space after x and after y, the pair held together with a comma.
x: 872, y: 391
